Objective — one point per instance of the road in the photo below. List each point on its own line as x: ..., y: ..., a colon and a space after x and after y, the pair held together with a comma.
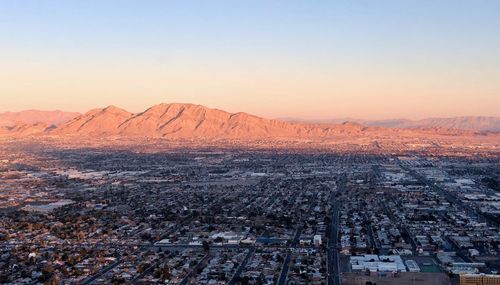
x: 149, y: 269
x: 193, y: 271
x: 371, y: 234
x: 333, y: 254
x: 284, y: 269
x: 251, y: 251
x: 174, y: 245
x: 103, y: 271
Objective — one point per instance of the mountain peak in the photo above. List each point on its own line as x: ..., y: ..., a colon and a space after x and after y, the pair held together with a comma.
x: 114, y: 109
x: 352, y: 124
x: 103, y: 121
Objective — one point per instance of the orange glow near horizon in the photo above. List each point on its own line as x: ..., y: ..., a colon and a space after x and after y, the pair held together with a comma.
x: 269, y: 92
x: 298, y: 59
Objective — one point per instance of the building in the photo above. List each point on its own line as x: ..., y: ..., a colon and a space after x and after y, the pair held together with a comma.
x: 317, y: 240
x: 479, y: 279
x: 466, y: 267
x: 375, y: 263
x: 412, y: 266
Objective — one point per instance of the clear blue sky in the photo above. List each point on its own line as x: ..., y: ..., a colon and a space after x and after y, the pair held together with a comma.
x: 314, y: 59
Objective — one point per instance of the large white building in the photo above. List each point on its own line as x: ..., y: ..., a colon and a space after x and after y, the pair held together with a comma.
x: 375, y: 263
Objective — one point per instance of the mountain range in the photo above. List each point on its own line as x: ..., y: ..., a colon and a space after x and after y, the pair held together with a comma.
x: 474, y: 123
x: 11, y: 119
x: 195, y: 121
x: 191, y: 121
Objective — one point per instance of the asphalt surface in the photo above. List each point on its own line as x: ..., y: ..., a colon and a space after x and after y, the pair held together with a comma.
x: 251, y: 251
x: 101, y: 272
x: 284, y: 270
x: 333, y: 255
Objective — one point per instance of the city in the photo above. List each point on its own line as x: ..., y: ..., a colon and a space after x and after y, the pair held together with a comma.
x: 230, y: 216
x: 249, y: 142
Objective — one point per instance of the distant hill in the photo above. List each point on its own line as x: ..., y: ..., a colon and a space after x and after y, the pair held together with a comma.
x: 461, y: 123
x: 11, y: 119
x: 472, y: 123
x: 26, y: 129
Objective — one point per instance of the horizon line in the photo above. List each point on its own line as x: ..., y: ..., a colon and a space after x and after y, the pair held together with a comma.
x: 281, y: 118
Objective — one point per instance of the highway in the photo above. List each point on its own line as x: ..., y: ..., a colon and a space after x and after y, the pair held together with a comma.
x: 333, y: 258
x: 284, y: 269
x: 333, y: 254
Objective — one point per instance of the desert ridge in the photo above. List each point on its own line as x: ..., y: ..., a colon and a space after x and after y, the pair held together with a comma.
x: 179, y: 120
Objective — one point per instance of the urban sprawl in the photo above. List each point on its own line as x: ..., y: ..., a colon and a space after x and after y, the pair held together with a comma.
x: 232, y: 216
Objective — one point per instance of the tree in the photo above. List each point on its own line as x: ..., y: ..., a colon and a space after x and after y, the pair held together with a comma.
x: 206, y: 246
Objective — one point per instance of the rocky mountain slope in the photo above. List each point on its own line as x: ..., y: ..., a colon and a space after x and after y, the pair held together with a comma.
x: 189, y: 121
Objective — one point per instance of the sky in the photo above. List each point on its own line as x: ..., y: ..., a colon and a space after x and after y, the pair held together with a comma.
x: 297, y: 59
